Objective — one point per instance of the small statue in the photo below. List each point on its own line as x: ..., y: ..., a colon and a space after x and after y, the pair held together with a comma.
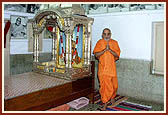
x: 77, y: 59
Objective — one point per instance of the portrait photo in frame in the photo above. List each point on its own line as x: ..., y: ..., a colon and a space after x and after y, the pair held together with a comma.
x: 18, y: 27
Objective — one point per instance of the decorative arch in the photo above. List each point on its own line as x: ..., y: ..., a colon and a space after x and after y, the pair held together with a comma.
x: 40, y: 19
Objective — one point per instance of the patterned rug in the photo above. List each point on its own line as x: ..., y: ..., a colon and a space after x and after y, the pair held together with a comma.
x: 121, y: 104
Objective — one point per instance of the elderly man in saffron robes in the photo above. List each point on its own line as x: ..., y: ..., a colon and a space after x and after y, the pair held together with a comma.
x: 108, y: 52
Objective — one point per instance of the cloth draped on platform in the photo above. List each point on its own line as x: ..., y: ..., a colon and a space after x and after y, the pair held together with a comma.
x: 7, y: 26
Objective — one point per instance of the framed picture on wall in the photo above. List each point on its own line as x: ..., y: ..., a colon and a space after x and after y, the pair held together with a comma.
x: 32, y: 8
x: 18, y: 27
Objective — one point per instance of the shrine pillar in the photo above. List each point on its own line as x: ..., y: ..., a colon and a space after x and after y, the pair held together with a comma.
x: 86, y: 46
x: 54, y: 37
x: 89, y: 41
x: 36, y: 44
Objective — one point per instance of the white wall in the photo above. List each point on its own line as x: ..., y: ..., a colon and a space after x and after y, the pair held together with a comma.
x: 21, y: 46
x: 7, y: 14
x: 132, y: 30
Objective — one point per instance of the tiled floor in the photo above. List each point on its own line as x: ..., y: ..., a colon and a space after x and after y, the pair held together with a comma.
x: 25, y: 83
x: 155, y: 106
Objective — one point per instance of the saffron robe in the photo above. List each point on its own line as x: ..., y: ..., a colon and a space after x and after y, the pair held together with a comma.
x: 107, y: 69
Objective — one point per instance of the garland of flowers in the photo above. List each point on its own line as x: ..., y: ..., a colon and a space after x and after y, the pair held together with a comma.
x: 62, y: 47
x: 77, y: 37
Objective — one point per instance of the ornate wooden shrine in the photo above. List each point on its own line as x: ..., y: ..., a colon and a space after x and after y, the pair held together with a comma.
x: 71, y: 42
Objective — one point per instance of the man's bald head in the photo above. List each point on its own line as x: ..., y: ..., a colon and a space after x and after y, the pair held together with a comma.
x: 106, y: 33
x: 107, y: 29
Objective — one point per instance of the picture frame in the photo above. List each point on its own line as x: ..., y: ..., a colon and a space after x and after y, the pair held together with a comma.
x: 32, y: 8
x: 18, y: 27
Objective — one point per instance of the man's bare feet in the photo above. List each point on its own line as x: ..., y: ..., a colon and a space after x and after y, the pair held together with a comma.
x: 112, y: 101
x: 104, y: 107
